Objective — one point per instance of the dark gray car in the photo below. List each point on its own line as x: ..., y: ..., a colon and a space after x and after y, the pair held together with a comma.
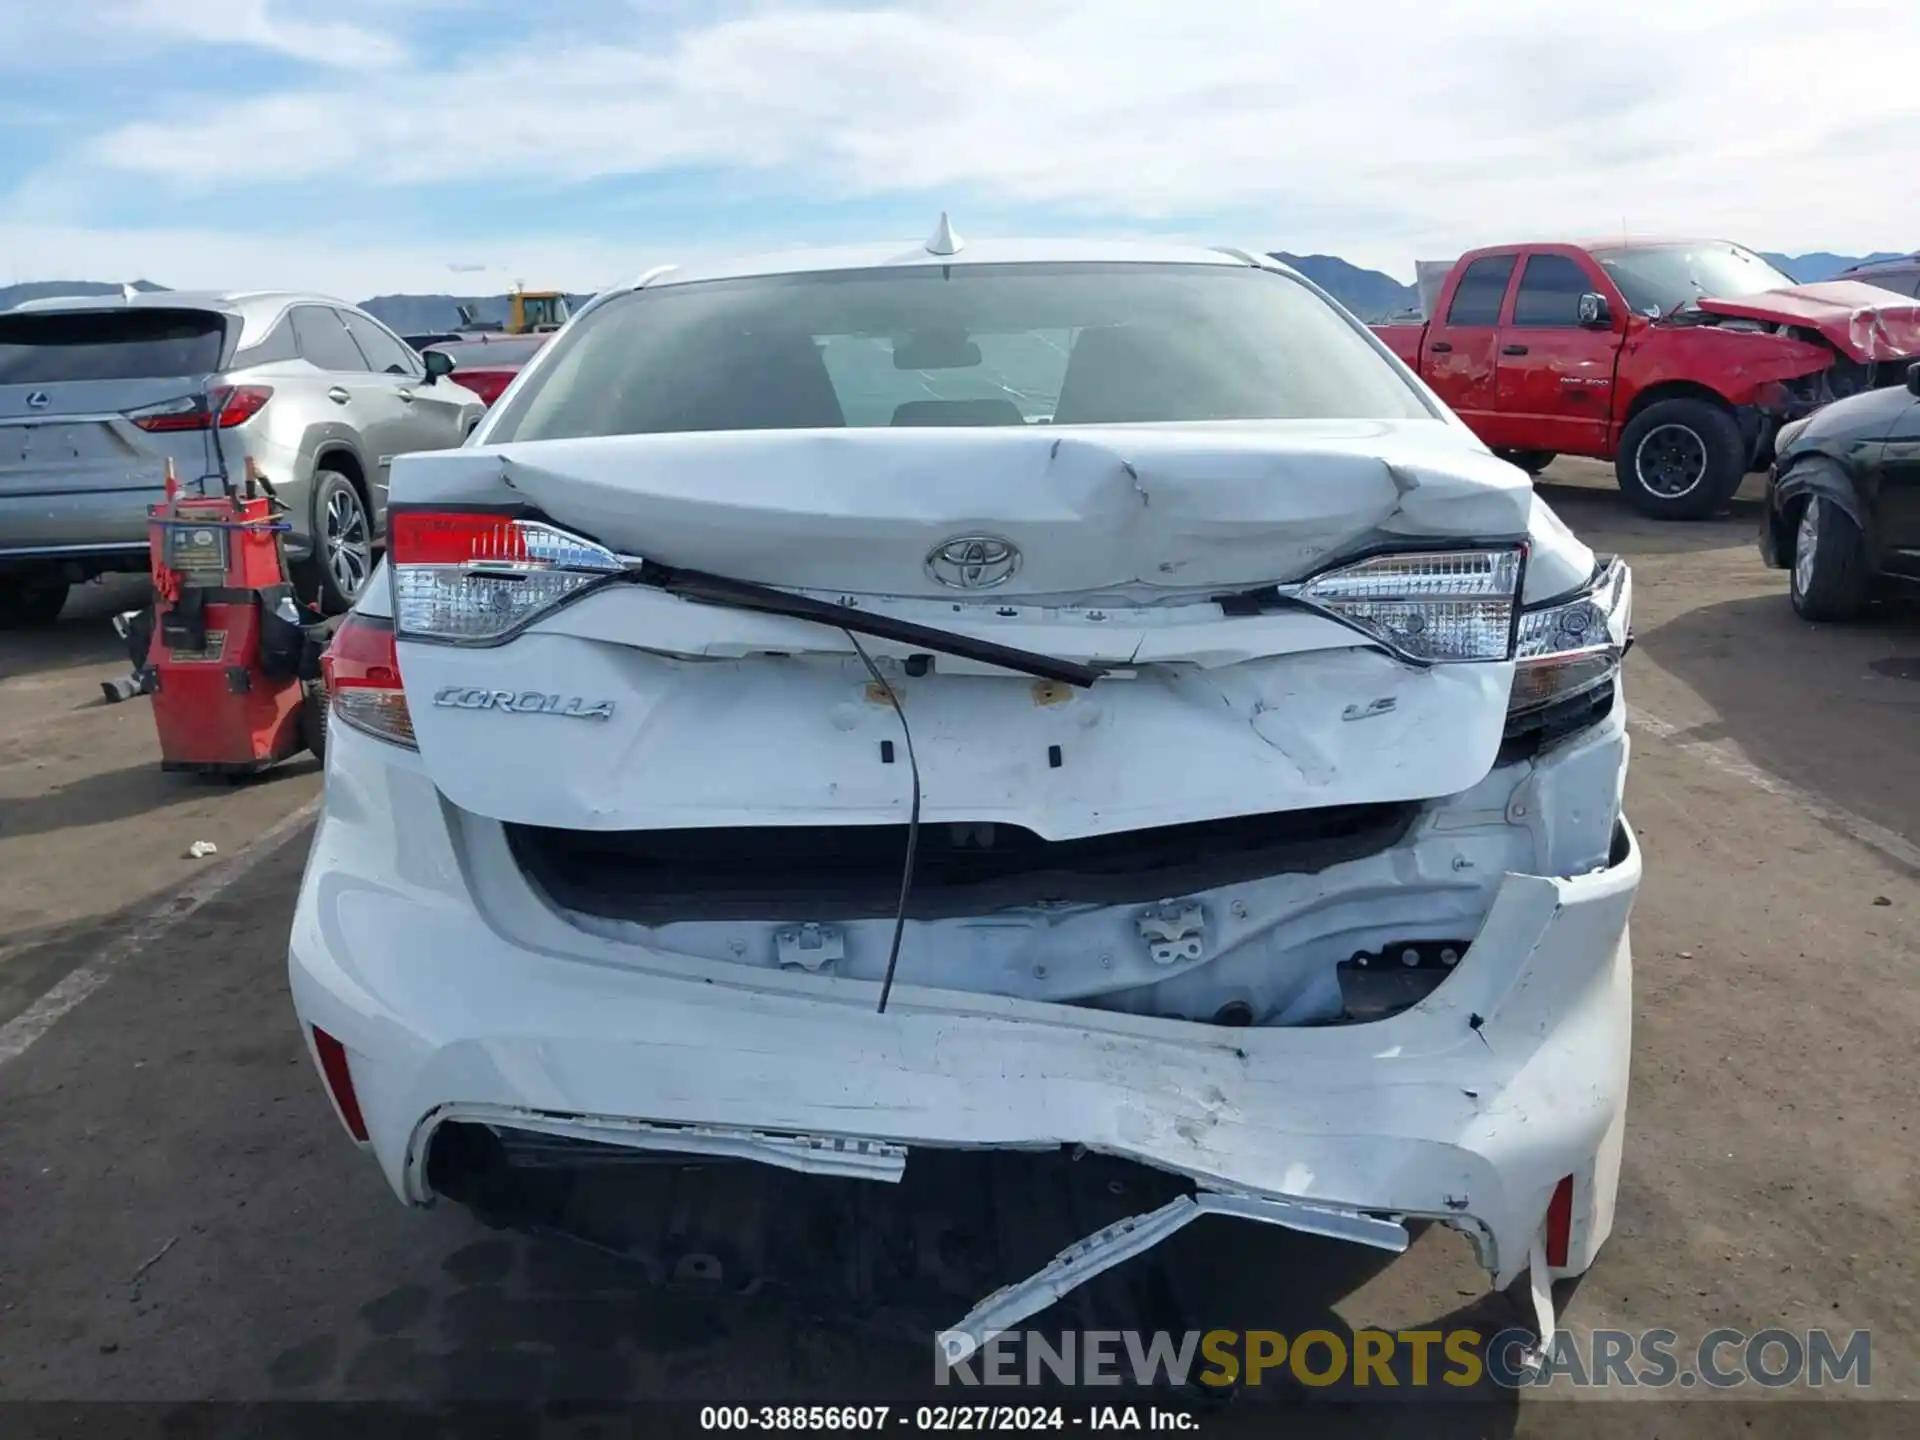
x: 98, y: 394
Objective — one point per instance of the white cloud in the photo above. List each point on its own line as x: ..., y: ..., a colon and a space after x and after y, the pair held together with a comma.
x: 261, y: 25
x: 185, y: 258
x: 1375, y: 129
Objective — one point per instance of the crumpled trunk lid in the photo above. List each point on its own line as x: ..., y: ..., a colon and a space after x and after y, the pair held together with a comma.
x: 1094, y: 511
x: 668, y: 714
x: 1861, y: 321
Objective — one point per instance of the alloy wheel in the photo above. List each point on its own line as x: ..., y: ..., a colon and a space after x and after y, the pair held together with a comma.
x: 349, y: 542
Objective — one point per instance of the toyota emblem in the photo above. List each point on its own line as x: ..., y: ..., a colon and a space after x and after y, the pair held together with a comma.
x: 38, y: 400
x: 973, y: 562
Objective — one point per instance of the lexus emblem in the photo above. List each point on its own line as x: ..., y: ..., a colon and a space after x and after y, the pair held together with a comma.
x: 38, y: 400
x: 973, y: 562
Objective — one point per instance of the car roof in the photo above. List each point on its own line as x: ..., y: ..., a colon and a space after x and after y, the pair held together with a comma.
x: 1611, y: 242
x: 971, y: 252
x: 1892, y: 262
x: 257, y: 310
x: 235, y: 302
x: 1649, y: 242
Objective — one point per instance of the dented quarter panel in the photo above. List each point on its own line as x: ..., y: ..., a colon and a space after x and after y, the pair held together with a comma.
x: 1738, y: 365
x: 1558, y: 561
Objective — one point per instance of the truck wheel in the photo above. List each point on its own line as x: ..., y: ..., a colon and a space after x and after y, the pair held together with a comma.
x: 1830, y: 574
x: 31, y: 603
x: 1531, y: 461
x: 342, y: 558
x: 1681, y: 459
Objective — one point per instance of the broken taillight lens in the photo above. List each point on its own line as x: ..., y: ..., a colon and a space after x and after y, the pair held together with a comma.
x: 474, y: 578
x: 362, y: 676
x: 1572, y: 648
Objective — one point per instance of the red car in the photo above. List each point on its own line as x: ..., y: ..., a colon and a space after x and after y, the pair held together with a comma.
x: 486, y: 364
x: 1677, y: 360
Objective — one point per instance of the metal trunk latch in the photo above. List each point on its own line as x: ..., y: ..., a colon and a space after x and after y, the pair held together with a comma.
x: 1174, y: 932
x: 811, y: 947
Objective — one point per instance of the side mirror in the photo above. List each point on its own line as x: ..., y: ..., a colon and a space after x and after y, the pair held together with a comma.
x: 439, y: 365
x: 1913, y: 378
x: 1595, y: 313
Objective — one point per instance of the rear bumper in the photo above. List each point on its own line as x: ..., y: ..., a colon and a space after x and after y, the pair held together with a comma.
x: 1468, y: 1108
x: 56, y: 524
x: 74, y: 562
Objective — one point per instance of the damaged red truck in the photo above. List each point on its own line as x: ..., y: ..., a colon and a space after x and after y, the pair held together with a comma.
x: 1677, y: 360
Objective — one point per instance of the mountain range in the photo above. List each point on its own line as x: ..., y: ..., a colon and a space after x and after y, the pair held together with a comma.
x: 1370, y: 294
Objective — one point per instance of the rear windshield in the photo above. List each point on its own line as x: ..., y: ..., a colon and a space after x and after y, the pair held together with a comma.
x: 45, y: 349
x: 1061, y: 344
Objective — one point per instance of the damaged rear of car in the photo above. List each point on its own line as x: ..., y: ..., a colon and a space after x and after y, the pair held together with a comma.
x: 1016, y: 697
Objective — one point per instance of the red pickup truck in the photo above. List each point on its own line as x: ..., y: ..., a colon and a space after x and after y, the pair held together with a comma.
x: 1677, y: 360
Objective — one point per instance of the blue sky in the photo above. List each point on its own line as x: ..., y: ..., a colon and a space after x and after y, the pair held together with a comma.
x: 363, y: 146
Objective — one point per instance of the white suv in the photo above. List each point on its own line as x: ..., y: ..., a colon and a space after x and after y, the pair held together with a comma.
x: 1000, y: 695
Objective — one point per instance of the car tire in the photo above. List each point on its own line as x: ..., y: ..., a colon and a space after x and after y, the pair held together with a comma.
x: 31, y: 604
x: 1531, y: 461
x: 1829, y: 575
x: 342, y: 529
x: 1681, y: 459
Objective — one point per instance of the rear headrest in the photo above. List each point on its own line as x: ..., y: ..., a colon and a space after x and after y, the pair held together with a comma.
x: 761, y: 382
x: 1115, y: 374
x: 958, y: 412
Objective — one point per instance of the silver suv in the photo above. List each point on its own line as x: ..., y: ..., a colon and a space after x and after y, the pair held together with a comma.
x: 98, y: 393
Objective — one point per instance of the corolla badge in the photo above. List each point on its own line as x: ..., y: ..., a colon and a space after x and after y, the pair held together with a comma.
x: 973, y: 562
x: 525, y: 702
x: 38, y: 400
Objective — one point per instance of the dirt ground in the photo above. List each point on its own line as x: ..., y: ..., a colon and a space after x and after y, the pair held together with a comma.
x: 1770, y: 1171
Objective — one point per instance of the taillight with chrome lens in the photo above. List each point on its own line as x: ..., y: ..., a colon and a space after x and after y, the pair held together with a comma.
x: 1437, y: 606
x: 477, y: 579
x: 362, y: 676
x: 1573, y: 647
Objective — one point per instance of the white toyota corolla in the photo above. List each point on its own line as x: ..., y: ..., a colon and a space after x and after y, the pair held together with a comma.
x: 988, y: 695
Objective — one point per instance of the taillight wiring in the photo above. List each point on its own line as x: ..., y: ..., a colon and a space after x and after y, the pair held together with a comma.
x: 913, y: 817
